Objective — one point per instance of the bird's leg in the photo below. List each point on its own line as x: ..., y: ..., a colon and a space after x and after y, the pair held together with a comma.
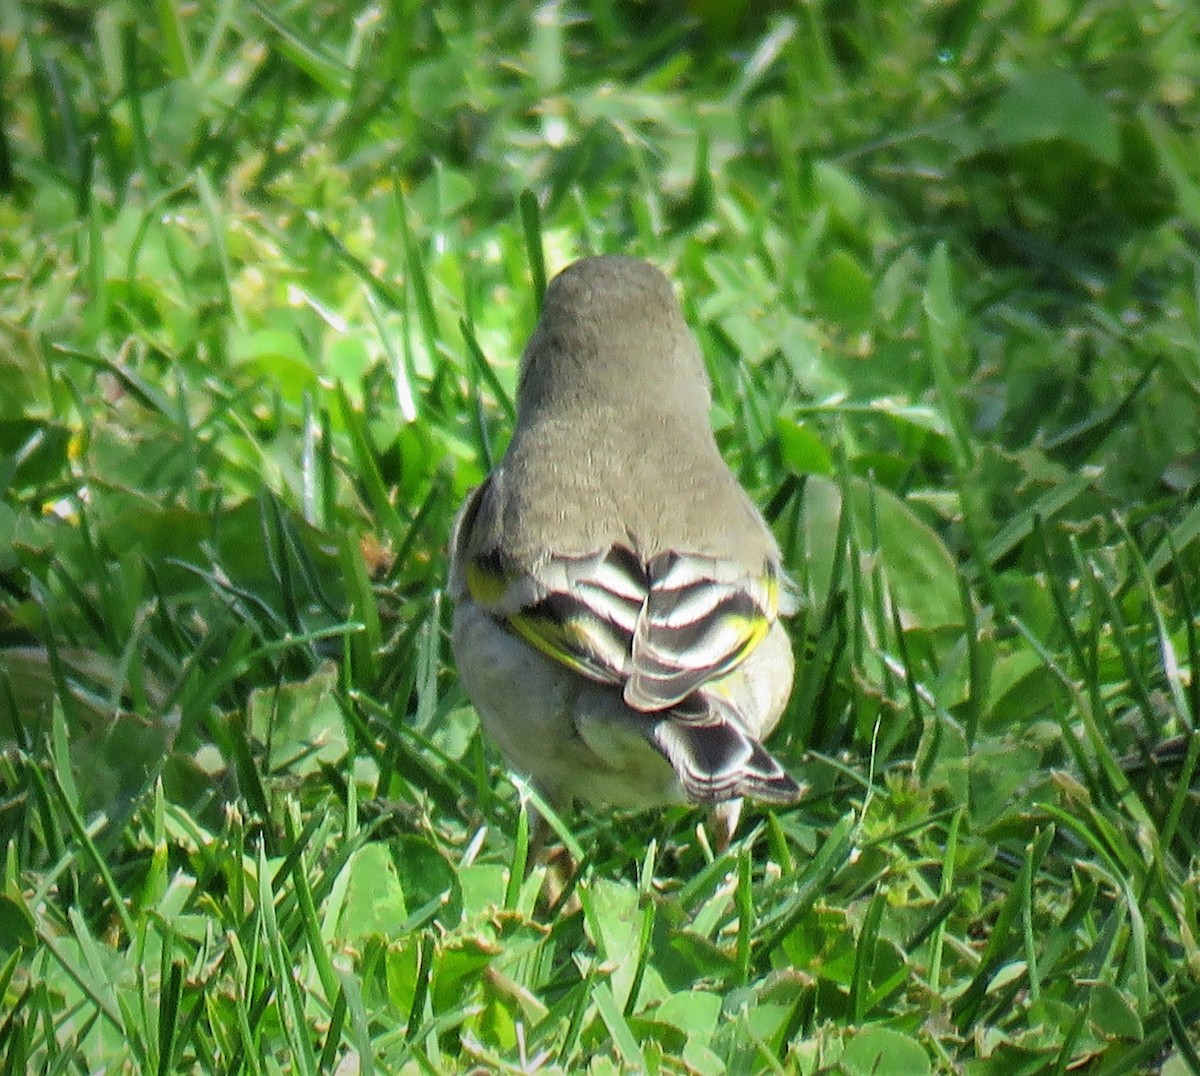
x: 562, y: 872
x: 722, y: 823
x: 539, y: 839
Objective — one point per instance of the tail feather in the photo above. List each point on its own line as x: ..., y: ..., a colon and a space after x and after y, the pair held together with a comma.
x: 717, y: 759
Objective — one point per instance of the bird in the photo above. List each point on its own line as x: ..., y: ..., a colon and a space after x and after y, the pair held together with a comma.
x: 617, y: 595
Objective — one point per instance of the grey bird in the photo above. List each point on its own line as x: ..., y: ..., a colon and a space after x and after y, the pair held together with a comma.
x: 617, y: 595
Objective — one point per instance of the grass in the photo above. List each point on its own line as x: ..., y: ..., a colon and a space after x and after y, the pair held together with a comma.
x: 266, y: 273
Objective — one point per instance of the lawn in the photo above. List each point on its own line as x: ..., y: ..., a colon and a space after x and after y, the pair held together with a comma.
x: 266, y: 271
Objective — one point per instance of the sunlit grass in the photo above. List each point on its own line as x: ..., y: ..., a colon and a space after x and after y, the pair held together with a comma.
x: 265, y: 273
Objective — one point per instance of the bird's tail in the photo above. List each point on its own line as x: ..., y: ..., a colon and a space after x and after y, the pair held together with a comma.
x: 714, y: 756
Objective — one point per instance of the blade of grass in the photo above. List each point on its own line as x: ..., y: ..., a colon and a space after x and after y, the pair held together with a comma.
x: 308, y: 54
x: 176, y: 46
x: 999, y: 944
x: 864, y: 957
x: 367, y: 468
x: 531, y: 224
x: 622, y: 1035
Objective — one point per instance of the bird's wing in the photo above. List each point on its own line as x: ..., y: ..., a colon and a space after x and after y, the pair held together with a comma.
x: 701, y: 619
x: 660, y: 630
x: 580, y: 611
